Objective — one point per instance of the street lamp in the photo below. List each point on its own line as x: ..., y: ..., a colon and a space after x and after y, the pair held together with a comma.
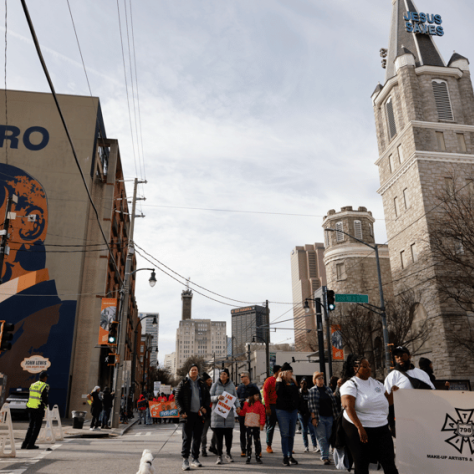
x: 380, y: 310
x: 152, y: 279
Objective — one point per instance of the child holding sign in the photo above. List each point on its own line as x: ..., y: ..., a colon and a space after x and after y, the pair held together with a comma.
x: 254, y: 413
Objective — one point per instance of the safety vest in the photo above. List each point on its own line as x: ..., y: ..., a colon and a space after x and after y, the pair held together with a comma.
x: 36, y: 389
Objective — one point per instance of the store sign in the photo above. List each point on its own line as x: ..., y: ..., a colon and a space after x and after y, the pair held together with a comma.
x: 424, y: 23
x: 35, y: 364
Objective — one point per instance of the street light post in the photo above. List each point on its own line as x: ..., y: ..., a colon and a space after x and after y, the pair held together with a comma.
x: 381, y: 308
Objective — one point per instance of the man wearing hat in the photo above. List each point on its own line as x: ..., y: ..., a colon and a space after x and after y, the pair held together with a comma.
x: 193, y: 402
x: 406, y: 375
x: 37, y: 402
x: 243, y: 392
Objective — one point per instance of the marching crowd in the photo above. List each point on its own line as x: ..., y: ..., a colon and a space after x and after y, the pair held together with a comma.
x: 352, y: 420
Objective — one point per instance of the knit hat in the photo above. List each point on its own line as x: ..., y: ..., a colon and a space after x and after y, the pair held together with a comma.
x: 253, y: 390
x: 286, y: 367
x: 226, y: 370
x: 194, y: 365
x: 424, y: 363
x: 205, y: 376
x: 42, y: 374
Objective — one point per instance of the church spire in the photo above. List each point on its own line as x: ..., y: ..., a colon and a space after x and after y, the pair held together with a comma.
x: 422, y: 46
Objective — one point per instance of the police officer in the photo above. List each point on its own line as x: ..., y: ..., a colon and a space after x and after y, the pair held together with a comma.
x: 37, y: 402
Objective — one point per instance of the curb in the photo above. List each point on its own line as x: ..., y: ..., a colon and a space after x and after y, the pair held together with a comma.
x: 122, y: 432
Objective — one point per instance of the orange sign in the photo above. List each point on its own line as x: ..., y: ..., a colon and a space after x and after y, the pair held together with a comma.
x: 108, y: 312
x: 336, y: 342
x: 163, y: 410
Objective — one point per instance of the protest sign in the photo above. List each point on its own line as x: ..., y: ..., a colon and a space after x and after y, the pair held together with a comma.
x: 223, y: 407
x: 163, y: 410
x: 435, y: 431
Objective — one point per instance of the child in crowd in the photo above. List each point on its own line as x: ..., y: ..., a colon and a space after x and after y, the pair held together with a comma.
x: 254, y: 413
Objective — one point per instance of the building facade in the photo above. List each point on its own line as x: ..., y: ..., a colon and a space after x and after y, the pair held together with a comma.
x: 249, y: 323
x: 170, y: 363
x: 59, y: 269
x: 307, y: 275
x: 424, y: 115
x: 149, y: 328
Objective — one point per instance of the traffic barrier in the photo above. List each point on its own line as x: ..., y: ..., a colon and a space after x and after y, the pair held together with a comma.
x: 54, y: 416
x: 6, y: 435
x: 46, y: 434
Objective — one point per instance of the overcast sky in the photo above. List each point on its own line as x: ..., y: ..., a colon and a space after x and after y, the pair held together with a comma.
x: 246, y: 105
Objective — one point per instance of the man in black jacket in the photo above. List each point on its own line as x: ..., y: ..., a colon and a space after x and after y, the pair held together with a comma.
x: 193, y: 402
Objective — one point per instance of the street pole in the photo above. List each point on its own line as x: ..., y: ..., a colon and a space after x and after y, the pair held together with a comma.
x: 267, y: 339
x: 124, y: 297
x: 319, y: 324
x: 328, y: 329
x: 248, y: 360
x: 388, y: 358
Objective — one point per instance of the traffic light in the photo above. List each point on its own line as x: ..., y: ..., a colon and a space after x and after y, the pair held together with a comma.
x: 112, y: 359
x: 6, y: 335
x: 113, y: 331
x: 331, y: 297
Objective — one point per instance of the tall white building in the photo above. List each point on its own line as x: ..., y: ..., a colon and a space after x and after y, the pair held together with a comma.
x: 170, y: 363
x: 147, y: 328
x: 201, y: 337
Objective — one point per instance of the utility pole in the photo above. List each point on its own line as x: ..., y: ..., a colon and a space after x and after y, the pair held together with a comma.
x: 267, y: 337
x: 124, y: 298
x: 4, y: 249
x: 319, y: 323
x: 328, y: 328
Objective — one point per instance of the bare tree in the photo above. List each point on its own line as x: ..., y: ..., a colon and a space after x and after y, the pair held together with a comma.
x: 189, y: 362
x: 158, y: 374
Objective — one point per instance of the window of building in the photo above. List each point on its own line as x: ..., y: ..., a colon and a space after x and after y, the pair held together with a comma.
x: 142, y: 349
x: 371, y: 230
x: 441, y: 142
x: 443, y: 101
x: 390, y: 163
x: 401, y: 157
x: 406, y: 198
x: 141, y: 358
x: 392, y: 128
x: 326, y: 239
x: 395, y: 206
x: 339, y: 234
x: 358, y: 230
x: 340, y: 271
x: 414, y: 255
x: 402, y: 258
x: 461, y: 143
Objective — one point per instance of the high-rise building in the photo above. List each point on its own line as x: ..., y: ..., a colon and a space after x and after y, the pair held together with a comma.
x: 249, y: 323
x: 170, y: 363
x: 201, y: 337
x: 424, y: 115
x: 148, y: 327
x: 307, y: 275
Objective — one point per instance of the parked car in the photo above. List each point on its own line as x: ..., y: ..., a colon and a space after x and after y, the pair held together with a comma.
x: 17, y: 400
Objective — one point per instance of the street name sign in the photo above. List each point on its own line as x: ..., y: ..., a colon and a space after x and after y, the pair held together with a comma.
x: 352, y: 298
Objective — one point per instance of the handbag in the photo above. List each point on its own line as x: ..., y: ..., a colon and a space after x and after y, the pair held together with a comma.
x: 417, y: 384
x: 341, y: 458
x: 252, y: 420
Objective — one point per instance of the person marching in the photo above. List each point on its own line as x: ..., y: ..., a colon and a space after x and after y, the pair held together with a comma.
x: 96, y: 408
x: 242, y: 395
x: 141, y: 407
x: 270, y: 398
x: 37, y: 402
x: 253, y: 405
x: 207, y: 418
x: 304, y: 415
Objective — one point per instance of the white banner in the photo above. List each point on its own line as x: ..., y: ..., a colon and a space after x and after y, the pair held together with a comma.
x: 223, y: 407
x: 435, y: 431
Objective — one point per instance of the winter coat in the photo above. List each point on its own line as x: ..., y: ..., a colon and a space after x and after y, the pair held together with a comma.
x: 218, y: 389
x: 184, y: 394
x: 243, y: 392
x: 288, y: 397
x: 142, y: 403
x: 303, y: 408
x: 257, y: 407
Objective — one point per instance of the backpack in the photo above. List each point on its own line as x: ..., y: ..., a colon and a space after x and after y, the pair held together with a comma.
x: 417, y: 384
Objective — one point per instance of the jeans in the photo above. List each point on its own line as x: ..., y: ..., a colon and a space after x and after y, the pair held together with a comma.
x: 271, y: 423
x: 307, y: 426
x: 105, y: 417
x: 243, y: 433
x: 287, y: 423
x: 255, y: 434
x: 323, y: 433
x: 192, y: 432
x: 141, y: 416
x: 222, y: 433
x: 379, y: 448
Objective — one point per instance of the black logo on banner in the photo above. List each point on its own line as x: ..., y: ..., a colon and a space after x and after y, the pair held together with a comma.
x: 463, y: 429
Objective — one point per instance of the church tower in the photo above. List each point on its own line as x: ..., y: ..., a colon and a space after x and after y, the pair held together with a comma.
x: 424, y: 115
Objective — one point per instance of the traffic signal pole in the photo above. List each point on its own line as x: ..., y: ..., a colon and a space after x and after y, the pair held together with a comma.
x: 319, y: 324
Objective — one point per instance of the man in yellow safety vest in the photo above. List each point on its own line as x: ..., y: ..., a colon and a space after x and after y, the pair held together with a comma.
x: 37, y: 402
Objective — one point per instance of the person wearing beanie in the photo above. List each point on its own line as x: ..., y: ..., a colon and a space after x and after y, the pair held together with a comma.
x: 270, y: 399
x: 223, y: 427
x: 253, y: 423
x: 242, y: 395
x: 287, y: 411
x: 207, y: 417
x: 427, y: 366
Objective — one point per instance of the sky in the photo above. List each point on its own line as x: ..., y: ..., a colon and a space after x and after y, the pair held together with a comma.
x: 256, y: 106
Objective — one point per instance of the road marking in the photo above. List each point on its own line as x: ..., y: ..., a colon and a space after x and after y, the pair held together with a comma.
x: 139, y: 434
x: 148, y: 433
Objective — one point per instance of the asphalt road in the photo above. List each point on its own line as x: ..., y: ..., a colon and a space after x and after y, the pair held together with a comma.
x: 122, y: 454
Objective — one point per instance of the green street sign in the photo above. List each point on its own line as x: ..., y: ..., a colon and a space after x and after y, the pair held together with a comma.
x: 352, y: 298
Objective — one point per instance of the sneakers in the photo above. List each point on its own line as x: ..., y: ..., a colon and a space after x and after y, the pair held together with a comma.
x: 185, y: 466
x: 327, y: 462
x: 259, y: 460
x: 248, y: 460
x: 269, y: 449
x: 213, y: 450
x: 219, y: 460
x: 315, y: 449
x: 243, y: 454
x: 228, y: 457
x: 298, y: 431
x: 204, y: 453
x: 196, y: 463
x: 91, y: 429
x: 286, y: 461
x: 293, y: 461
x: 306, y: 450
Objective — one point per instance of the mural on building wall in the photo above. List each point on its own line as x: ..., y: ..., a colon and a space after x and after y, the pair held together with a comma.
x: 44, y: 324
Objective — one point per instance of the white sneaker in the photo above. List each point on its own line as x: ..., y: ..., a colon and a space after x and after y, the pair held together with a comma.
x: 228, y: 458
x: 91, y: 429
x: 196, y: 463
x: 306, y: 450
x: 315, y: 449
x: 298, y: 431
x: 219, y: 460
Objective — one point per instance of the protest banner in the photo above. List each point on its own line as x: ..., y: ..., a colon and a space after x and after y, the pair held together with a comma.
x: 163, y: 410
x: 435, y: 431
x: 223, y: 407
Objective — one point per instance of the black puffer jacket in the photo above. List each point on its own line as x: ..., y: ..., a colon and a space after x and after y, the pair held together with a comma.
x: 288, y: 396
x: 184, y: 393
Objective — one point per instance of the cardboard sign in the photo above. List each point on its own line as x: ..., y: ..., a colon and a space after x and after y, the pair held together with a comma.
x: 435, y: 431
x: 163, y: 410
x: 223, y: 407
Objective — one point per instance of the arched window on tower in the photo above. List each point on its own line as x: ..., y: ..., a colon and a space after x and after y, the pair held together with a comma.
x: 392, y: 127
x: 339, y: 234
x: 358, y: 230
x: 443, y: 101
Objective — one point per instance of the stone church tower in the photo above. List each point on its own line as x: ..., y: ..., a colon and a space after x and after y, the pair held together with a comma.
x: 424, y: 116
